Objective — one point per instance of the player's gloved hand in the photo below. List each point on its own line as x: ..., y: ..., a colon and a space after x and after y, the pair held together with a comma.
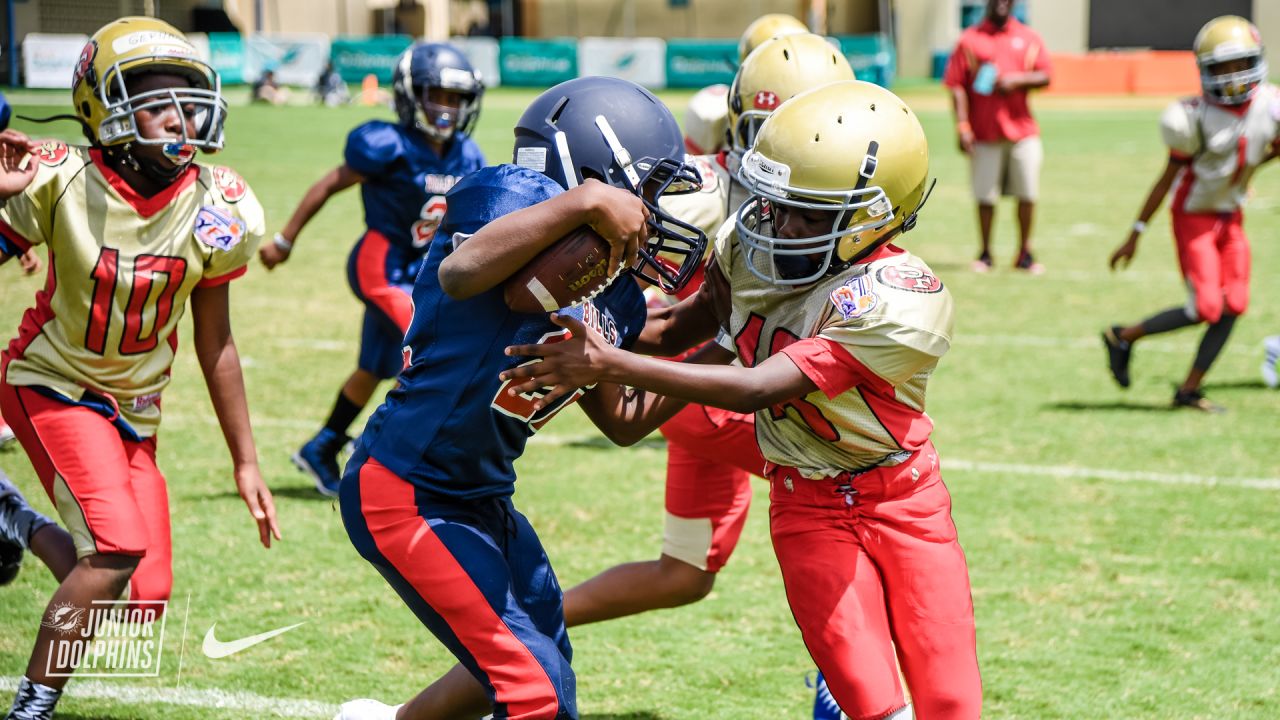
x: 564, y: 366
x: 17, y: 166
x: 620, y: 217
x: 253, y: 490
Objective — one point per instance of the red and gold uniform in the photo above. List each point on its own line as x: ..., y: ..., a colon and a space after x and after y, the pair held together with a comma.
x: 860, y: 518
x: 1222, y: 146
x: 83, y: 379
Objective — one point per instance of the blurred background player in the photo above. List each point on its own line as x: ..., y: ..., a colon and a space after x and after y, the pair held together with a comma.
x: 426, y: 497
x: 135, y: 229
x: 994, y: 65
x: 331, y: 89
x: 838, y: 332
x: 404, y: 170
x: 266, y: 90
x: 1271, y: 361
x: 711, y: 452
x: 1216, y: 143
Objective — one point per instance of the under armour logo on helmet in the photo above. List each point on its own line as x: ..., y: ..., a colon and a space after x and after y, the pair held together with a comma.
x: 766, y: 100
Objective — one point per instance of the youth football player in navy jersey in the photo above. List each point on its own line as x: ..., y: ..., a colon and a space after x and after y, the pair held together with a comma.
x: 426, y: 498
x: 404, y: 169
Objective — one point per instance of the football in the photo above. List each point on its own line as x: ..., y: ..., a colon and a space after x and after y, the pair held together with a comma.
x: 569, y: 272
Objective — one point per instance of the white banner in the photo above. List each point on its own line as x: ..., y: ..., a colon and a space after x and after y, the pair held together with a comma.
x: 482, y: 53
x: 48, y: 60
x: 200, y: 42
x: 296, y: 58
x: 641, y: 60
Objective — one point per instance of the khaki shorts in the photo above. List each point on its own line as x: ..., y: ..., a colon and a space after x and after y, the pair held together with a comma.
x: 1006, y: 168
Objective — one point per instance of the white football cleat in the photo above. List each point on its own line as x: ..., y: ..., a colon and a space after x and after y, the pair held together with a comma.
x: 366, y: 709
x: 1271, y: 356
x: 6, y: 433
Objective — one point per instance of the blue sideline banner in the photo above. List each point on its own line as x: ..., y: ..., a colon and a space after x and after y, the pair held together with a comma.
x: 538, y: 63
x: 356, y: 57
x: 699, y: 63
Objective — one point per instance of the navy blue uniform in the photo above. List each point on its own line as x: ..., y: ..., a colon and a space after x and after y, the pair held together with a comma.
x: 404, y: 201
x: 426, y: 497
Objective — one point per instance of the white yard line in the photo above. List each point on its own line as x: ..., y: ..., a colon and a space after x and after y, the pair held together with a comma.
x: 1056, y: 471
x: 1072, y: 471
x: 253, y: 705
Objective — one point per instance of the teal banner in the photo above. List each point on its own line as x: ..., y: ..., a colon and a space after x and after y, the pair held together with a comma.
x: 226, y: 55
x: 871, y: 57
x: 538, y: 63
x: 356, y: 57
x: 699, y: 63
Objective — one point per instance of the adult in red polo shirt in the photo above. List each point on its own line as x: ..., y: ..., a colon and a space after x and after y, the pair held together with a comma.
x: 993, y: 67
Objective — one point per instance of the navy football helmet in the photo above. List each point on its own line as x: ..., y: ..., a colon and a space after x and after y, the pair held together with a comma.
x: 617, y: 132
x: 425, y: 66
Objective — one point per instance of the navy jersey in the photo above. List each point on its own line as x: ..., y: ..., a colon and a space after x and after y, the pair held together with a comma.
x: 405, y: 181
x: 449, y: 427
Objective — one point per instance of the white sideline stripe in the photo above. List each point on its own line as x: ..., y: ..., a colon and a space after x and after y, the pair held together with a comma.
x: 258, y: 705
x: 1072, y: 471
x: 1057, y: 471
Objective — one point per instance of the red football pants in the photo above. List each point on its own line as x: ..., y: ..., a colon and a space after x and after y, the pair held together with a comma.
x: 1214, y: 255
x: 876, y: 570
x: 711, y: 455
x: 108, y: 491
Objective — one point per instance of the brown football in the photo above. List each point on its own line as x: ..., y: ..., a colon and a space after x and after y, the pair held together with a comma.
x: 568, y: 272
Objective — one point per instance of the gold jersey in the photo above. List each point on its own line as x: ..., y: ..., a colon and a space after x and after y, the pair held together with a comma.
x: 1224, y: 144
x: 121, y: 268
x: 868, y: 337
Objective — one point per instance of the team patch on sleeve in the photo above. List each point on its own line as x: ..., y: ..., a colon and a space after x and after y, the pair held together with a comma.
x: 855, y: 298
x: 52, y: 153
x: 218, y: 229
x: 230, y: 185
x: 906, y: 277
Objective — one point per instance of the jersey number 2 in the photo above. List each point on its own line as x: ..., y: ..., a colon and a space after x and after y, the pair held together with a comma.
x: 146, y: 269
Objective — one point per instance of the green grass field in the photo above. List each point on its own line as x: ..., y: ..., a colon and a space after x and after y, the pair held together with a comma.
x: 1107, y: 582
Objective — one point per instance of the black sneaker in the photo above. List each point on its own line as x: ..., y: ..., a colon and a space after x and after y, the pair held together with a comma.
x: 982, y: 264
x: 1118, y: 354
x: 1196, y: 400
x: 1027, y: 264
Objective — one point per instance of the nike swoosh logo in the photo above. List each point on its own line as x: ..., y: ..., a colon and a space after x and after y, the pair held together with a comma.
x: 215, y: 648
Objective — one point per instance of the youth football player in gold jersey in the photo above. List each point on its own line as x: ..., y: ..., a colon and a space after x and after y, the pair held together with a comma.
x: 134, y: 229
x: 838, y: 332
x: 1217, y: 141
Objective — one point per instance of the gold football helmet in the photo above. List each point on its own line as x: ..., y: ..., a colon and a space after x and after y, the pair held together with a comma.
x: 136, y: 45
x: 775, y: 71
x: 851, y: 148
x: 1228, y: 39
x: 767, y: 27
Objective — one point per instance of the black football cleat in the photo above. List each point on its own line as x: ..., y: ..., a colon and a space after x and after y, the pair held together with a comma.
x: 1196, y: 400
x: 1119, y: 353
